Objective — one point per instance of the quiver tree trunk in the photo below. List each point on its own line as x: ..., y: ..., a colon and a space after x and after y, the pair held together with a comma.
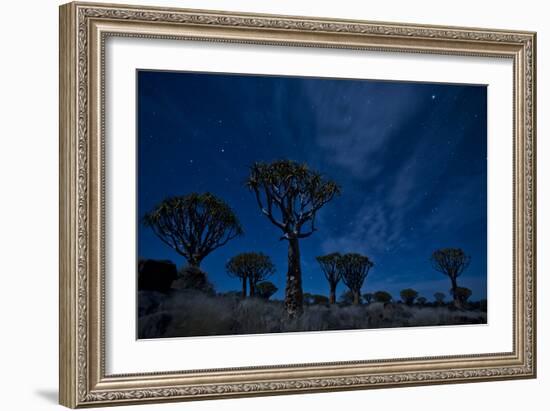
x: 293, y: 291
x: 356, y: 297
x: 194, y: 261
x: 456, y: 300
x: 244, y: 287
x: 252, y: 286
x: 332, y: 296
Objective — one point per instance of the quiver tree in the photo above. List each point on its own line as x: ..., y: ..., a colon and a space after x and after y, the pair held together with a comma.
x: 408, y: 295
x: 193, y: 225
x: 439, y: 298
x: 354, y: 269
x: 265, y: 289
x: 382, y: 297
x: 452, y: 262
x: 289, y: 194
x: 329, y: 266
x: 463, y: 294
x: 251, y: 267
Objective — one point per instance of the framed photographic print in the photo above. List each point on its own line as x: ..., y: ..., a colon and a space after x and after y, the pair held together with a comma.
x: 259, y: 204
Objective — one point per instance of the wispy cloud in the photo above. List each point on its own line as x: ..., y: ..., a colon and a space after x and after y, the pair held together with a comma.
x: 418, y: 187
x: 355, y: 136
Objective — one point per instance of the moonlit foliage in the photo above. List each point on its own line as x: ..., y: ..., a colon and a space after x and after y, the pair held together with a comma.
x: 193, y: 225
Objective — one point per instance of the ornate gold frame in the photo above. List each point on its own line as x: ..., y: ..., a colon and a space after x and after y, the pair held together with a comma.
x: 83, y: 30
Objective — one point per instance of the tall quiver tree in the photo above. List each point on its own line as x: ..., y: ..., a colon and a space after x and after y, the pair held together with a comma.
x: 354, y: 269
x: 251, y: 267
x: 193, y: 225
x: 452, y: 262
x: 289, y: 194
x: 329, y: 266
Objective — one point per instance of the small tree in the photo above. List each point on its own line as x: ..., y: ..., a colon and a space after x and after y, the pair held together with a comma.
x: 382, y: 297
x: 266, y: 289
x: 251, y: 267
x: 193, y: 278
x: 439, y: 298
x: 347, y: 297
x: 319, y: 299
x: 329, y: 266
x: 452, y: 262
x: 408, y: 295
x: 421, y: 300
x: 354, y: 269
x: 463, y: 294
x: 193, y: 225
x: 368, y: 297
x: 289, y: 194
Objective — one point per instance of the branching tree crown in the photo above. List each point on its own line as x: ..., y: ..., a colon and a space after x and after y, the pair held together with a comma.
x: 354, y: 268
x: 329, y: 266
x: 382, y: 297
x: 254, y: 267
x: 408, y: 295
x: 193, y: 225
x: 289, y: 194
x: 450, y: 261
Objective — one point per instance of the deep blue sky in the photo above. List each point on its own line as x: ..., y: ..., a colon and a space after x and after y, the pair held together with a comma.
x: 411, y: 159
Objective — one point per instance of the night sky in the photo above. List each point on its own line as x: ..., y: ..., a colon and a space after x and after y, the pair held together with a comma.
x: 411, y: 160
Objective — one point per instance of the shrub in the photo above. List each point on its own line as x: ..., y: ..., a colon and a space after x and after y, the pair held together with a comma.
x: 190, y: 312
x: 193, y: 278
x: 382, y: 297
x: 408, y: 295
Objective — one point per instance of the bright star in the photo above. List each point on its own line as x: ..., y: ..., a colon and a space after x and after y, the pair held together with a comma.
x: 433, y: 96
x: 223, y: 150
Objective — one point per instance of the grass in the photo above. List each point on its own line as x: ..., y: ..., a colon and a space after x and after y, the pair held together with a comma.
x: 186, y: 313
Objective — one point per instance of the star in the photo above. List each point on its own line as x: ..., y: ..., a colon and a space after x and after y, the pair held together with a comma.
x: 433, y: 96
x: 223, y: 150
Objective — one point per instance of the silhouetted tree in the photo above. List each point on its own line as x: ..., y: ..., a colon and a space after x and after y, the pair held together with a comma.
x: 347, y: 297
x: 452, y: 262
x: 266, y: 289
x: 382, y: 297
x: 368, y: 297
x: 329, y: 266
x: 462, y: 294
x: 193, y: 225
x: 408, y: 295
x: 320, y: 299
x: 251, y: 267
x: 354, y: 269
x: 193, y: 278
x: 421, y: 300
x: 289, y: 194
x: 439, y: 298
